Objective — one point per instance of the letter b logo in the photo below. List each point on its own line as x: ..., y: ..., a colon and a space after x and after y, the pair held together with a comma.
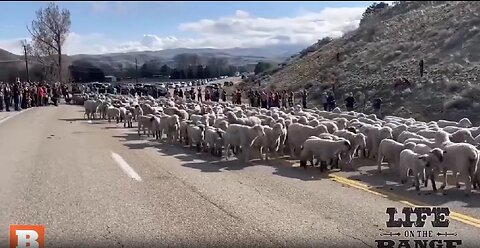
x: 23, y: 236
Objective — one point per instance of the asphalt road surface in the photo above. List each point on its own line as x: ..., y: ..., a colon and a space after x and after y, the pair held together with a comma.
x: 97, y: 184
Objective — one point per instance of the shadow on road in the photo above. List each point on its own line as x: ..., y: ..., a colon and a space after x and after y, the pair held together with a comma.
x: 387, y: 181
x: 206, y: 162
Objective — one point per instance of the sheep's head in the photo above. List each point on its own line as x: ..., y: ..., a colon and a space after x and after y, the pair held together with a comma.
x: 465, y: 122
x: 346, y: 145
x: 260, y: 130
x: 352, y: 129
x: 409, y: 145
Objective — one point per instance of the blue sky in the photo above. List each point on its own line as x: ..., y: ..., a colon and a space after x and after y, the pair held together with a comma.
x: 99, y: 27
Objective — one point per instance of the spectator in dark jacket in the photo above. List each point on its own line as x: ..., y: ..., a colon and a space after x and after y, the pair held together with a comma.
x: 349, y: 102
x: 331, y: 101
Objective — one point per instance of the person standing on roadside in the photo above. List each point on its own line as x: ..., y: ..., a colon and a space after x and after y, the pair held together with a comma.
x: 304, y: 98
x: 16, y: 95
x: 7, y: 94
x: 199, y: 94
x: 324, y: 100
x: 377, y: 107
x: 349, y: 102
x: 1, y: 96
x: 331, y: 101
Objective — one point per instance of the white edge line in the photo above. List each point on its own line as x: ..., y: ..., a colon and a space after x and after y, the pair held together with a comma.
x: 125, y: 167
x: 11, y: 116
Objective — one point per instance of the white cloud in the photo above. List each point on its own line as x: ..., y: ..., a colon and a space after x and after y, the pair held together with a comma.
x: 238, y: 30
x: 111, y: 7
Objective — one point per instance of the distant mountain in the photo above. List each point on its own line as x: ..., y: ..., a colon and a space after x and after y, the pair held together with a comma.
x: 113, y: 62
x: 235, y: 56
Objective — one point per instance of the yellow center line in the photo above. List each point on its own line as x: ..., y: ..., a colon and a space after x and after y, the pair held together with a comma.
x: 402, y: 199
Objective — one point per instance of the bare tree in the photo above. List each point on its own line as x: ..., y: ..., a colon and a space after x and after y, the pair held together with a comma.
x: 49, y: 31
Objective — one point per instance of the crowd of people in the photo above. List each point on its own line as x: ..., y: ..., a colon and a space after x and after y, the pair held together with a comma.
x: 209, y: 94
x: 22, y: 95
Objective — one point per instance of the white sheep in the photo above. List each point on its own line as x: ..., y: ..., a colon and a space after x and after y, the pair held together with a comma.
x: 249, y: 121
x: 214, y: 140
x: 390, y: 151
x: 127, y: 121
x: 196, y: 134
x: 144, y: 123
x: 459, y: 158
x: 407, y: 135
x: 414, y: 162
x: 242, y: 136
x: 113, y: 113
x: 90, y: 108
x: 273, y: 139
x: 465, y: 122
x: 357, y: 140
x: 297, y: 134
x: 323, y: 150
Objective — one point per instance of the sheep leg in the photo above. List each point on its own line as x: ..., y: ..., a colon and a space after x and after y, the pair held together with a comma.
x: 444, y: 183
x: 417, y: 183
x: 432, y: 178
x: 379, y: 163
x: 455, y: 175
x: 468, y: 183
x: 227, y: 151
x: 199, y: 147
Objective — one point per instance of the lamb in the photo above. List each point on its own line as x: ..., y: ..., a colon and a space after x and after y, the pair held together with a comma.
x: 90, y: 108
x: 390, y: 150
x: 242, y: 136
x: 123, y: 113
x: 113, y: 112
x: 127, y: 121
x: 323, y: 150
x: 411, y: 161
x: 357, y: 140
x: 172, y: 127
x: 214, y: 140
x: 459, y: 158
x: 102, y: 109
x: 273, y: 139
x: 374, y: 136
x: 144, y: 123
x: 155, y: 127
x: 465, y: 122
x: 184, y: 132
x: 196, y: 134
x: 297, y: 134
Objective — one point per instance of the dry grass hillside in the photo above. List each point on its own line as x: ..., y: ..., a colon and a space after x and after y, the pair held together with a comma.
x: 389, y: 45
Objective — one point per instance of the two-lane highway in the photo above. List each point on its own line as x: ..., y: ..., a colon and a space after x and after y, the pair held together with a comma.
x: 99, y: 184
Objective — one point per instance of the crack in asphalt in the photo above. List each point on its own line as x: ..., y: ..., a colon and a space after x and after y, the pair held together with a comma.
x: 109, y: 233
x: 350, y: 236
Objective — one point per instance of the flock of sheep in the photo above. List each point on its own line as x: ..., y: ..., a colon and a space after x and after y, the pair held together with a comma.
x: 412, y: 149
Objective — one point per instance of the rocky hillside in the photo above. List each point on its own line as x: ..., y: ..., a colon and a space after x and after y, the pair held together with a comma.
x: 389, y: 45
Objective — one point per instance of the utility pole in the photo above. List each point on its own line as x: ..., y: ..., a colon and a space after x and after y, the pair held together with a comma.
x: 136, y: 71
x: 25, y: 44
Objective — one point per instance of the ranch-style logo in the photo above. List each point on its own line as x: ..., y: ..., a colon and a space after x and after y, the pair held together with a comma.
x: 434, y: 237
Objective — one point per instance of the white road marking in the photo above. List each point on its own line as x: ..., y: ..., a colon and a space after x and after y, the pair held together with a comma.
x: 125, y: 167
x: 17, y: 113
x: 89, y: 121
